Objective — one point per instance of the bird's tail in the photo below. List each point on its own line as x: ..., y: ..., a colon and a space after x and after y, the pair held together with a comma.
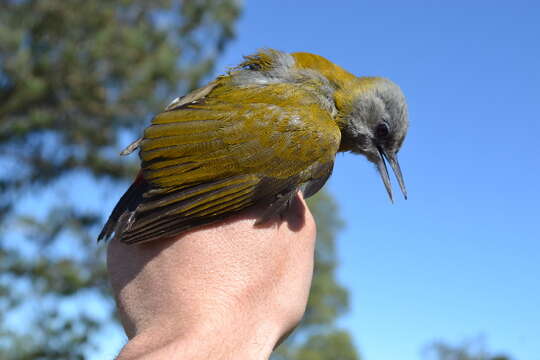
x: 124, y: 210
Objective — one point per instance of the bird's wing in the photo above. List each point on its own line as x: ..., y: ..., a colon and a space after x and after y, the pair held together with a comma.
x: 231, y: 149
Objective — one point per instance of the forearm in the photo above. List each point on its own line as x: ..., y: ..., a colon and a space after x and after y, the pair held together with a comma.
x: 240, y: 341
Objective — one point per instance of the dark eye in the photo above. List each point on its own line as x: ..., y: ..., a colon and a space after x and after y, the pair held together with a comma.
x: 382, y: 131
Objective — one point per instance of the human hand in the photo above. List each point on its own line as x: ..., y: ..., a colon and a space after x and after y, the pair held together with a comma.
x: 231, y: 290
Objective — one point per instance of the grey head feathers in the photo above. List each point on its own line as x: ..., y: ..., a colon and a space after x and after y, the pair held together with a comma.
x: 375, y: 126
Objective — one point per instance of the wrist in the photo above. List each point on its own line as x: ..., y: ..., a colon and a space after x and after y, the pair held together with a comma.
x: 248, y: 339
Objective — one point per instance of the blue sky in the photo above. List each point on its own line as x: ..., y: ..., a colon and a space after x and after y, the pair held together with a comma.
x: 460, y: 257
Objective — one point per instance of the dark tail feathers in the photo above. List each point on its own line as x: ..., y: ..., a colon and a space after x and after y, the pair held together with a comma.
x: 124, y: 210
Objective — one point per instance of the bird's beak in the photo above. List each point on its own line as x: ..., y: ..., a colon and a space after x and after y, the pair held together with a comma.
x: 381, y: 166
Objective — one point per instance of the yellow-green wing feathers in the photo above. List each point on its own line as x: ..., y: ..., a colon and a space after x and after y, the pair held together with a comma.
x: 228, y: 149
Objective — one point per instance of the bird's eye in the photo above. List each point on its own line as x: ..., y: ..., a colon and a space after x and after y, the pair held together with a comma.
x: 253, y: 67
x: 382, y: 131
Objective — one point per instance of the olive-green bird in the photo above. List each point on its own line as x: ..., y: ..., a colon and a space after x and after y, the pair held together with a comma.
x: 268, y: 128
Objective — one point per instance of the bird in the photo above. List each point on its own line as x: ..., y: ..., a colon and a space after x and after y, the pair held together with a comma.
x: 256, y: 136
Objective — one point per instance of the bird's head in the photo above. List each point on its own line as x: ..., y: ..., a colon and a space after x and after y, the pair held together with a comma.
x: 373, y: 121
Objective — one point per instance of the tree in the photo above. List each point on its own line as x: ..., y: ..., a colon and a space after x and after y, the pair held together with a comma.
x: 472, y: 349
x: 75, y: 77
x: 317, y: 338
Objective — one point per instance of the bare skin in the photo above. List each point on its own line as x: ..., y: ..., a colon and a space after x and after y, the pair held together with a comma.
x: 227, y: 291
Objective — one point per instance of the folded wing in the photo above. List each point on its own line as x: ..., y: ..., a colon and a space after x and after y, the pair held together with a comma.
x: 229, y: 149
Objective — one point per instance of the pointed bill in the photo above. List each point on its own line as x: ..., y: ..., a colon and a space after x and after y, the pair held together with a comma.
x: 397, y: 171
x: 383, y: 171
x: 392, y: 159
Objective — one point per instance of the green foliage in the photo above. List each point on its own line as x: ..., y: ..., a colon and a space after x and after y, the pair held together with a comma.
x: 76, y: 72
x: 317, y: 338
x: 76, y: 75
x: 473, y: 349
x: 336, y: 345
x: 327, y: 298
